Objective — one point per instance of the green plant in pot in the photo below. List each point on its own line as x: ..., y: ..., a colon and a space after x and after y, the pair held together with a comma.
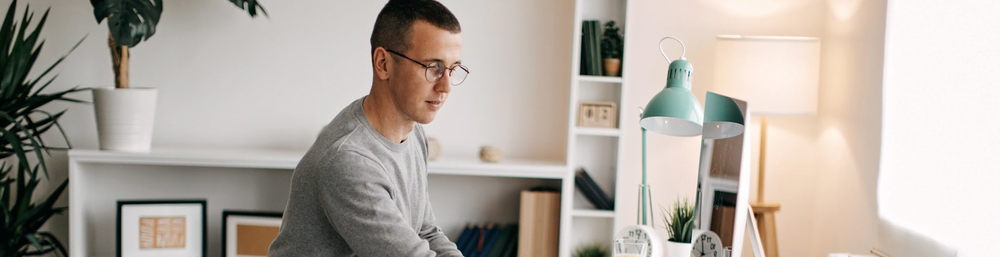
x: 593, y: 250
x: 612, y: 45
x: 22, y: 150
x: 125, y: 114
x: 679, y: 220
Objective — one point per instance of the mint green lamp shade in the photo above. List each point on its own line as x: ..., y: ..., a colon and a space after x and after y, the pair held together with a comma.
x: 723, y: 117
x: 674, y: 111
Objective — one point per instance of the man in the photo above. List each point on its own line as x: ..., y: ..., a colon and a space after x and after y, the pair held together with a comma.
x: 361, y: 189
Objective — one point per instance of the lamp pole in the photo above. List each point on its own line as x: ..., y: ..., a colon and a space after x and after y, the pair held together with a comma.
x: 644, y: 188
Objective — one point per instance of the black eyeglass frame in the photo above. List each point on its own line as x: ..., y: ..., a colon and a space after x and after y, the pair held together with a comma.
x: 437, y: 76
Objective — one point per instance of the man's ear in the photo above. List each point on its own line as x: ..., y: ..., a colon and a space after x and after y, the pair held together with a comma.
x: 380, y: 59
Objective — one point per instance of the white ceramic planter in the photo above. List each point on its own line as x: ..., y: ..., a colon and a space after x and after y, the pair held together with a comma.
x: 125, y: 118
x: 675, y: 249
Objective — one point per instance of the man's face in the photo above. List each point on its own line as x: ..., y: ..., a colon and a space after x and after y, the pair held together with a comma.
x: 416, y: 98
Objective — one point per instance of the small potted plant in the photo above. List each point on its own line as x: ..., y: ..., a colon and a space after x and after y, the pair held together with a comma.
x: 612, y: 43
x: 679, y: 221
x: 125, y: 113
x: 22, y: 150
x: 593, y: 250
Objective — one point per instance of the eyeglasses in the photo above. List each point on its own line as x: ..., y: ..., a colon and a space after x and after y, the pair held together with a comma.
x: 435, y: 72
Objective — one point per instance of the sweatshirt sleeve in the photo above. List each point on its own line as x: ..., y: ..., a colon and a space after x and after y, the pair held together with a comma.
x: 439, y: 243
x: 357, y: 200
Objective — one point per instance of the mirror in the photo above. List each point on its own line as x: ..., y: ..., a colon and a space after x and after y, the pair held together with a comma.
x: 723, y: 173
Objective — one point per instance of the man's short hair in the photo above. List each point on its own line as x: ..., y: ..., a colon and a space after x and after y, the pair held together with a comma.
x: 398, y: 16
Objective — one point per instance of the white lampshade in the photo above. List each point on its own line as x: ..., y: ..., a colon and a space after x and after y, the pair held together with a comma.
x: 779, y: 76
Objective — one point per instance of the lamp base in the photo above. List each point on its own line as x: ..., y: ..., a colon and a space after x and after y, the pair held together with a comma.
x: 764, y: 214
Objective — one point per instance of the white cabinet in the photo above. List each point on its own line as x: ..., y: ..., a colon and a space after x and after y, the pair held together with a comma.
x: 594, y: 149
x: 461, y: 190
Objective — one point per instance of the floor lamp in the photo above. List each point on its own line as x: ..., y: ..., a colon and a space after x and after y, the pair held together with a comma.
x: 780, y: 76
x: 673, y: 111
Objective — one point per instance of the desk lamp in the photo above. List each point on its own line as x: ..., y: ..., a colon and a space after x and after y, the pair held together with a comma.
x: 675, y: 112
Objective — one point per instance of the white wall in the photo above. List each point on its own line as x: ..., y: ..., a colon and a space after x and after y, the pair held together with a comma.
x: 939, y: 167
x: 848, y: 139
x: 229, y: 81
x: 226, y: 80
x: 673, y: 162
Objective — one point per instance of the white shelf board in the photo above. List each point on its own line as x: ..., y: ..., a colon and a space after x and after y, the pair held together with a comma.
x: 195, y: 157
x: 604, y: 79
x: 287, y: 160
x: 598, y: 132
x: 505, y: 168
x: 594, y: 213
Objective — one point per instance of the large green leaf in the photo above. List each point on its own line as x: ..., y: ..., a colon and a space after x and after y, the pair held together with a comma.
x: 133, y: 21
x: 250, y: 6
x: 130, y: 21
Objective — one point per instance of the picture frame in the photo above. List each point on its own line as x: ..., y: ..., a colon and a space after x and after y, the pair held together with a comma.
x: 161, y: 228
x: 248, y: 233
x: 597, y: 115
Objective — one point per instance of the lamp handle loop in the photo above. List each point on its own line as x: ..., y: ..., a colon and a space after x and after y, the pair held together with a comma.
x: 683, y: 48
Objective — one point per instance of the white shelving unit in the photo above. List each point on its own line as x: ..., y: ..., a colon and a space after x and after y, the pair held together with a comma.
x: 594, y: 149
x: 255, y: 180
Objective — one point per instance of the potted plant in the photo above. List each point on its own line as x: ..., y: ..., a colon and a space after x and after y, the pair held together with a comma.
x: 679, y: 222
x: 22, y: 124
x: 612, y: 44
x: 124, y: 113
x: 593, y: 250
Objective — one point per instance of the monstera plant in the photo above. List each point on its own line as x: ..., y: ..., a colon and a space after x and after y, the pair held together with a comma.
x: 22, y: 124
x: 133, y: 21
x: 124, y: 115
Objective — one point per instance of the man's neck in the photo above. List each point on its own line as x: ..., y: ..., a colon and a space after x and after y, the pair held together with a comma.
x: 383, y: 116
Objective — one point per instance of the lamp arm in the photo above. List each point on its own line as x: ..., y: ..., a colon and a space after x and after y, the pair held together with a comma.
x: 644, y: 188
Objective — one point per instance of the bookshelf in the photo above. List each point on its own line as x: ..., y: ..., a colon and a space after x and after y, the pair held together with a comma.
x: 257, y: 179
x: 594, y: 149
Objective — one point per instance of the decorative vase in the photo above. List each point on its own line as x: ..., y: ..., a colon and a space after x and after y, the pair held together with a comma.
x: 612, y: 66
x: 125, y: 118
x: 433, y: 148
x: 490, y: 154
x: 675, y: 249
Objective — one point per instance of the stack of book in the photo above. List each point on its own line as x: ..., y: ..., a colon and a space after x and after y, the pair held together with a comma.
x: 590, y: 52
x: 490, y: 240
x: 592, y: 191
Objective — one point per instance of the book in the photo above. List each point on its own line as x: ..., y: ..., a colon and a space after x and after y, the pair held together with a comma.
x: 592, y: 191
x: 590, y: 49
x: 538, y: 233
x: 491, y: 244
x: 470, y: 245
x: 465, y: 236
x: 508, y: 234
x: 486, y: 241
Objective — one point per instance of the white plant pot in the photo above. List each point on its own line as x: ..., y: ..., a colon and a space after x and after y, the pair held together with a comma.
x: 675, y: 249
x: 125, y: 118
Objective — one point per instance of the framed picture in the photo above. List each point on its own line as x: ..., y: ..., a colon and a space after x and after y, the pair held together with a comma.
x: 597, y: 115
x: 161, y: 228
x: 248, y: 233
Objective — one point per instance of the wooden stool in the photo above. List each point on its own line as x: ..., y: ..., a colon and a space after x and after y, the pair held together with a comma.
x: 764, y: 213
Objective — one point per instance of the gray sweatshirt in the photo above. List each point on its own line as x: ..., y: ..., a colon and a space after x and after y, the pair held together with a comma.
x: 356, y: 193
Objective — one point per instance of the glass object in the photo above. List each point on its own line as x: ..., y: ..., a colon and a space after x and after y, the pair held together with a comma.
x: 434, y: 71
x: 630, y: 248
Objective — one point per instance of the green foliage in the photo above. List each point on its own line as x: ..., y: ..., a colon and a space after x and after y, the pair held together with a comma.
x: 612, y: 42
x: 590, y: 251
x: 679, y: 220
x: 21, y: 125
x: 132, y: 21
